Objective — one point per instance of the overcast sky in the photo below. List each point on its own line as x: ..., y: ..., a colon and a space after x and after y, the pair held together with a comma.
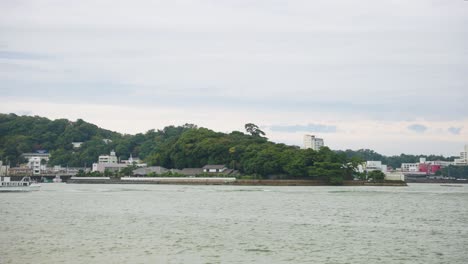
x: 387, y: 75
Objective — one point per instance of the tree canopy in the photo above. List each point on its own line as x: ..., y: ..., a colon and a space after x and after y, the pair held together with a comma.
x: 185, y: 146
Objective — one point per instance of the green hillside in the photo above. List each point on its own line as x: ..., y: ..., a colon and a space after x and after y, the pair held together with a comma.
x: 179, y: 147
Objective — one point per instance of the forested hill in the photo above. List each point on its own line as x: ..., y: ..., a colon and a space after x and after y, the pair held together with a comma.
x: 173, y: 147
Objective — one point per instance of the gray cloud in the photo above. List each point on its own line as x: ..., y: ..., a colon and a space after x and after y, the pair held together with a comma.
x: 418, y: 128
x: 303, y: 128
x: 16, y: 55
x: 393, y: 60
x: 455, y: 130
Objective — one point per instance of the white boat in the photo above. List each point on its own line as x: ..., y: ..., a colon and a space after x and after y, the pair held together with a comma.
x: 25, y: 185
x: 57, y: 179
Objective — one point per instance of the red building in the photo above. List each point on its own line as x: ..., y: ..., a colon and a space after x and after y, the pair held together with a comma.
x: 428, y: 168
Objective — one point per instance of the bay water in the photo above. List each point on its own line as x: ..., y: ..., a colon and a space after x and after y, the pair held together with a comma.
x: 75, y: 223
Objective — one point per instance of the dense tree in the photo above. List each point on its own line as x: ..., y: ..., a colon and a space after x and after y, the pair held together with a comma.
x: 254, y: 130
x: 376, y: 175
x: 455, y: 171
x: 179, y: 147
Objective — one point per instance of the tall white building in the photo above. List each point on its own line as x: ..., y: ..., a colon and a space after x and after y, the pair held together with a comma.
x: 463, y: 160
x: 311, y: 142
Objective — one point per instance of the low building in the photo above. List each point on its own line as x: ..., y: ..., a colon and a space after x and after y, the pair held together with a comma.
x: 410, y: 167
x: 40, y: 154
x: 102, y: 167
x: 372, y: 165
x: 111, y: 158
x: 77, y: 144
x: 19, y: 171
x: 394, y: 176
x: 214, y: 168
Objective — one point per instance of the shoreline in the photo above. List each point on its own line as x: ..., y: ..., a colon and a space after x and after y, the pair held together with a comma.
x: 195, y: 181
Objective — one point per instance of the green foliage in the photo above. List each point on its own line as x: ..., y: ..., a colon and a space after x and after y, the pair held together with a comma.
x: 455, y: 171
x: 253, y: 130
x: 376, y: 175
x: 127, y: 171
x: 186, y: 146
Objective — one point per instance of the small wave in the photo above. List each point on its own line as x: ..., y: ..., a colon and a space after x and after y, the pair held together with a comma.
x: 258, y: 250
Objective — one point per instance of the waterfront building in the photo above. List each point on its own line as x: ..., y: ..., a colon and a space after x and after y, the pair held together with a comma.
x: 101, y: 167
x: 441, y: 163
x: 214, y: 168
x: 372, y: 165
x: 312, y: 142
x: 34, y: 163
x: 410, y: 167
x: 112, y: 158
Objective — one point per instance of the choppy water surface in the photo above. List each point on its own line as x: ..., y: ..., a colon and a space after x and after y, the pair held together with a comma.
x: 231, y: 224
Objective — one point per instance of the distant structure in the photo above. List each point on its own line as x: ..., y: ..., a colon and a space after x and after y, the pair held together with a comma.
x: 112, y: 158
x: 109, y: 162
x: 77, y: 144
x: 311, y: 142
x: 463, y: 160
x: 372, y: 165
x: 3, y: 169
x: 37, y: 161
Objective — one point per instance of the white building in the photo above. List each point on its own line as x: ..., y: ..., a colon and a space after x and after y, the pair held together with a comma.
x: 394, y: 176
x: 463, y: 160
x: 372, y: 165
x: 112, y: 158
x: 410, y: 167
x: 134, y: 161
x: 77, y: 144
x: 440, y: 163
x: 42, y: 155
x: 311, y: 142
x: 34, y: 163
x: 3, y: 169
x: 214, y: 168
x: 106, y: 162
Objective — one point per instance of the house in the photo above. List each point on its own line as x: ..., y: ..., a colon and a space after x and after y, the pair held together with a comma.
x: 214, y: 168
x: 39, y: 154
x: 102, y: 167
x: 77, y: 144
